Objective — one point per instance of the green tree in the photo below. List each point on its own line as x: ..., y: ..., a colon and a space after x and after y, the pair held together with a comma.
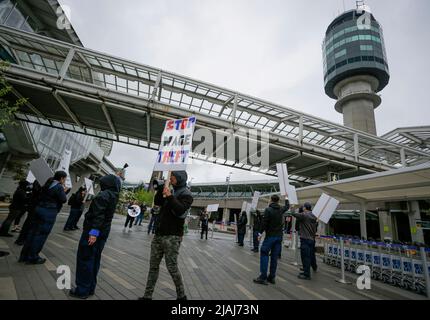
x: 7, y: 107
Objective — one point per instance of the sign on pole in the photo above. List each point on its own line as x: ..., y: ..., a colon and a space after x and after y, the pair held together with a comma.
x: 325, y: 207
x: 176, y: 145
x: 64, y: 166
x: 89, y: 186
x: 212, y: 208
x: 281, y: 169
x: 292, y: 194
x: 41, y: 170
x: 134, y: 211
x: 255, y: 199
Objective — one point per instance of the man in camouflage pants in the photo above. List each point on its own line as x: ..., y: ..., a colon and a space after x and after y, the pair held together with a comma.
x: 169, y: 232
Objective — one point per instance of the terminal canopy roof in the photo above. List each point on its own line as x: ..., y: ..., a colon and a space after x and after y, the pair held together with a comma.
x: 412, y: 183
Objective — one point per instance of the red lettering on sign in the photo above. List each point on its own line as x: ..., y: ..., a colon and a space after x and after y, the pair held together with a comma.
x: 169, y: 125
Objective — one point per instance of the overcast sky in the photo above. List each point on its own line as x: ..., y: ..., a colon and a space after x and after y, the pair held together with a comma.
x: 269, y: 49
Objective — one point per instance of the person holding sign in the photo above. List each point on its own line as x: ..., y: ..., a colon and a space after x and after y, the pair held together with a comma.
x: 97, y: 225
x: 273, y: 225
x: 131, y: 215
x: 241, y: 228
x: 76, y: 203
x: 52, y: 198
x: 170, y: 230
x: 308, y: 229
x: 204, y: 220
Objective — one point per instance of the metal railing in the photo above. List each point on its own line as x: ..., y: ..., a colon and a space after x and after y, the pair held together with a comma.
x: 399, y: 265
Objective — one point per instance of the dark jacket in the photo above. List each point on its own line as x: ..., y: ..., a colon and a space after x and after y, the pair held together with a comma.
x: 258, y: 223
x: 241, y: 224
x: 76, y: 201
x: 308, y: 225
x: 173, y: 209
x: 204, y: 219
x: 100, y: 213
x: 20, y: 199
x: 52, y: 196
x: 273, y: 219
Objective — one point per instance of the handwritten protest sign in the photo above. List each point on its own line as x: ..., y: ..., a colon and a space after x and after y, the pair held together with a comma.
x: 176, y: 145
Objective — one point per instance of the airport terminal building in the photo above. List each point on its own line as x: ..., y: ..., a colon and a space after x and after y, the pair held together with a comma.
x: 23, y: 142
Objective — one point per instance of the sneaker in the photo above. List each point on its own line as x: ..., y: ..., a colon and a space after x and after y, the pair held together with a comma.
x: 73, y: 294
x: 75, y: 228
x: 67, y: 229
x: 19, y: 243
x: 260, y: 281
x: 144, y: 298
x: 182, y: 298
x: 303, y: 277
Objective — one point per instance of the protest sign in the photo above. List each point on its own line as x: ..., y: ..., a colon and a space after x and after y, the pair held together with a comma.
x: 41, y: 170
x: 281, y: 169
x: 64, y: 166
x: 89, y: 186
x: 255, y: 199
x: 325, y: 207
x: 212, y: 207
x: 176, y: 145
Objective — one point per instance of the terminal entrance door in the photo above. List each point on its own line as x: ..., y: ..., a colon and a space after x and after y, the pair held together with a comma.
x: 401, y: 227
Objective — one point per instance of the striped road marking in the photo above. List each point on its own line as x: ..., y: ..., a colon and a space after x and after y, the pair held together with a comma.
x: 337, y: 295
x: 316, y: 295
x: 74, y: 241
x: 245, y: 292
x: 239, y: 264
x: 3, y: 244
x: 7, y: 289
x: 118, y: 279
x: 109, y: 258
x: 48, y: 264
x: 193, y: 264
x: 56, y: 244
x: 116, y: 250
x: 208, y: 254
x: 168, y: 285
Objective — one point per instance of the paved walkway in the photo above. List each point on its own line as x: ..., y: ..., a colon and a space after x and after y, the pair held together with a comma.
x: 213, y: 269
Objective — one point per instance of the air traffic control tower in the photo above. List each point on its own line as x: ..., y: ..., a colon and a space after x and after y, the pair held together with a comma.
x: 355, y: 67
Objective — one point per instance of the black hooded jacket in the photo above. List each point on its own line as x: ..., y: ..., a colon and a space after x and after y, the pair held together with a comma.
x: 241, y: 224
x: 273, y: 219
x: 100, y: 213
x: 173, y: 209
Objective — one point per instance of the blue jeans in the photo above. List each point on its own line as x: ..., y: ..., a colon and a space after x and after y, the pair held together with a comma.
x: 44, y: 221
x: 307, y: 251
x: 255, y: 240
x: 88, y: 264
x: 152, y: 224
x: 139, y: 219
x: 270, y: 245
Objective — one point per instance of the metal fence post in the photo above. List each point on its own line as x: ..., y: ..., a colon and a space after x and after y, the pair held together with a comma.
x: 342, y: 264
x: 426, y: 270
